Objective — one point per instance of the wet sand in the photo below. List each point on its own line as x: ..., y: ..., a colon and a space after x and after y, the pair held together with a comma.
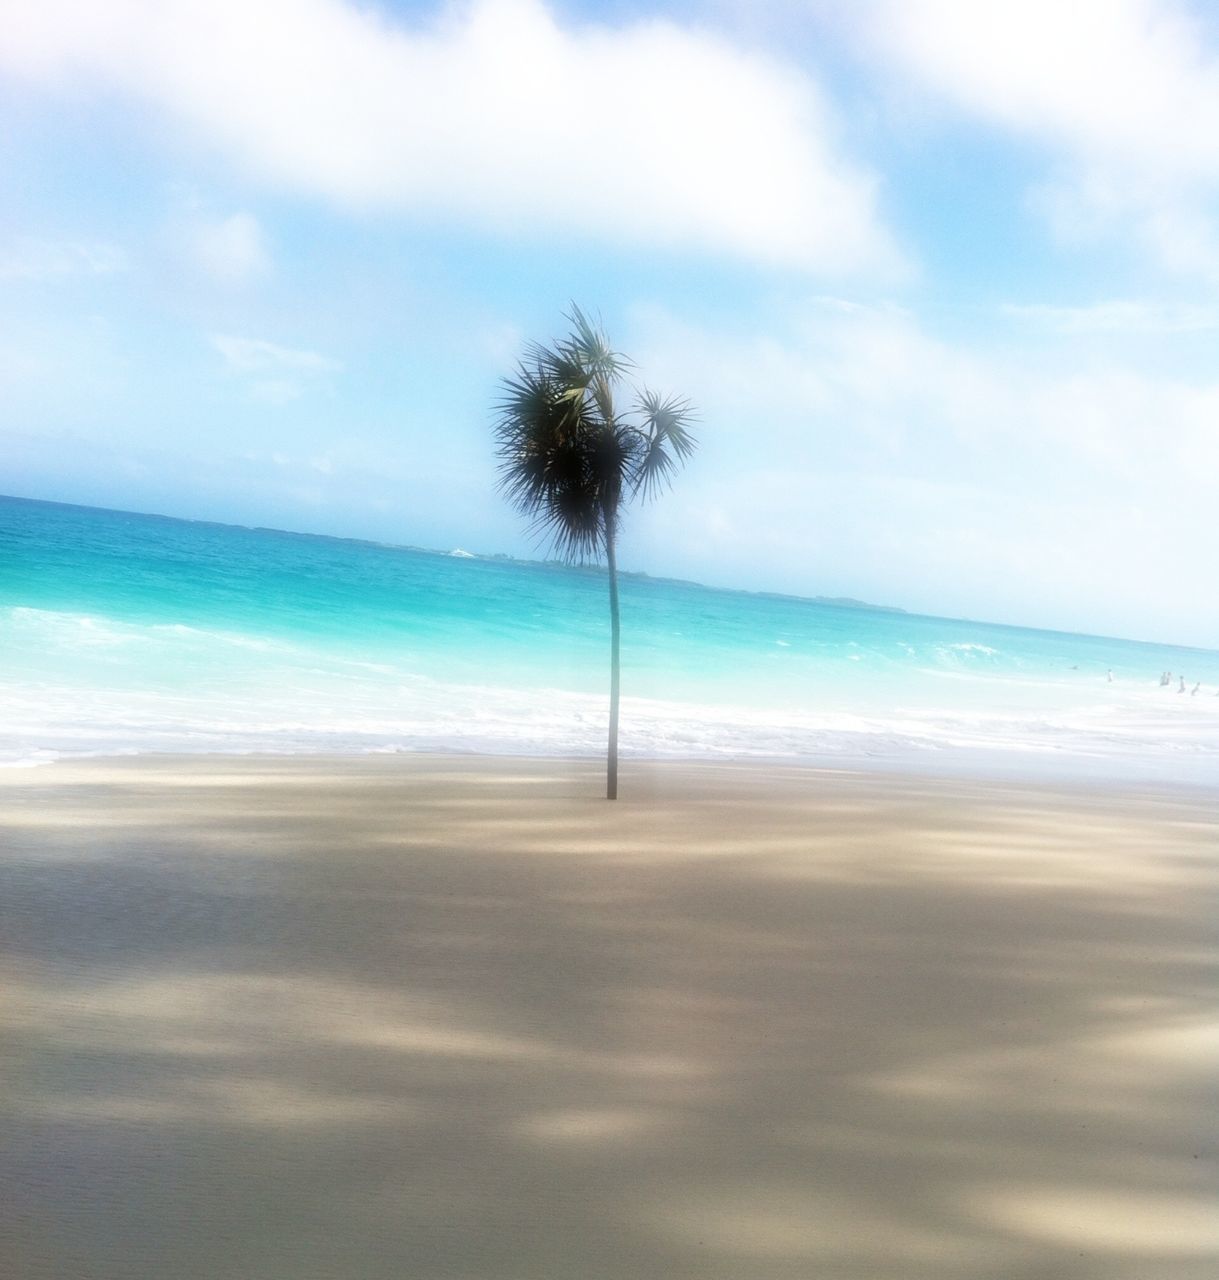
x: 460, y: 1018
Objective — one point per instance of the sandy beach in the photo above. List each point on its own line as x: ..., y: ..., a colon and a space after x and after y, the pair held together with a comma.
x: 275, y: 1019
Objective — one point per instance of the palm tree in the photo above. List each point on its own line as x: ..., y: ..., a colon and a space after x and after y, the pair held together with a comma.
x: 570, y: 460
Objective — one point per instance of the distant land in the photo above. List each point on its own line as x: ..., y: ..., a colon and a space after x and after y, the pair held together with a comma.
x: 839, y: 602
x: 836, y: 602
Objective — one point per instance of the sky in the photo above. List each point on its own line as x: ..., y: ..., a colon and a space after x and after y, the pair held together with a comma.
x: 941, y: 277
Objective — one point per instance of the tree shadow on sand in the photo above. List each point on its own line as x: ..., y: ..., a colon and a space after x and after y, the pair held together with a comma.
x: 432, y: 1021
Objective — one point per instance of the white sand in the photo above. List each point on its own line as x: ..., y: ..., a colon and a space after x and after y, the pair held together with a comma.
x: 424, y: 1017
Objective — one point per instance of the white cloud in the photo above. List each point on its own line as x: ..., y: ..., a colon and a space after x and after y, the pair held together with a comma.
x: 232, y: 249
x: 34, y: 259
x: 256, y: 355
x: 1118, y: 316
x: 870, y: 388
x: 1125, y: 93
x: 275, y: 391
x: 866, y: 455
x: 1129, y: 79
x: 496, y: 114
x: 272, y: 374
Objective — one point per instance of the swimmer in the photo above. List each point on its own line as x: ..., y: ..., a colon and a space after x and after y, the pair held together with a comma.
x: 1195, y: 688
x: 1182, y: 688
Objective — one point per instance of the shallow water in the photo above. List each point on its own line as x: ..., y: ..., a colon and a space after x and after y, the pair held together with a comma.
x: 125, y: 633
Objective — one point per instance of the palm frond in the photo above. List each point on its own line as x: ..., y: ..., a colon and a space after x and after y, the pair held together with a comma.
x: 667, y: 441
x: 566, y: 460
x: 592, y: 348
x: 548, y: 463
x: 600, y: 367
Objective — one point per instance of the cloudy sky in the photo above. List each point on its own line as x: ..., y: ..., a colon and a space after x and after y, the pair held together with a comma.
x: 941, y: 275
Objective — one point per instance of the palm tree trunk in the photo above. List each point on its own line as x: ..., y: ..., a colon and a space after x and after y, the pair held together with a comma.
x: 611, y: 762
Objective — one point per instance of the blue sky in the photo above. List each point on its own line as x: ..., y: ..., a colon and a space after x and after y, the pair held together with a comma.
x: 941, y: 276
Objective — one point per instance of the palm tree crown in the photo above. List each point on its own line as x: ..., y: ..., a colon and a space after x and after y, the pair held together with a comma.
x: 569, y: 458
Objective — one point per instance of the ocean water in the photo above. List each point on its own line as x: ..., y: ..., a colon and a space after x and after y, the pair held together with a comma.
x: 124, y: 633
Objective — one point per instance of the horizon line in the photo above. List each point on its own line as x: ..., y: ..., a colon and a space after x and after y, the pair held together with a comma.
x: 839, y: 602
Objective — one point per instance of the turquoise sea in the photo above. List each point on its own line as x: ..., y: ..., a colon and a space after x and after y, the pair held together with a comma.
x: 125, y: 633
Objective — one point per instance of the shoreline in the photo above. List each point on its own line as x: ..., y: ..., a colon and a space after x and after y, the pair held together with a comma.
x: 1027, y: 769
